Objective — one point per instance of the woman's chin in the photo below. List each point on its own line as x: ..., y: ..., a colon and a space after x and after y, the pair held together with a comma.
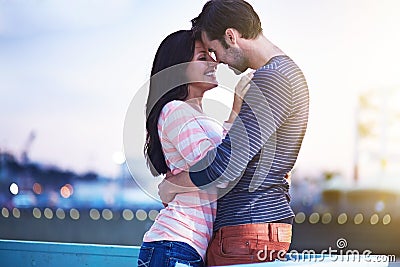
x: 214, y: 82
x: 212, y: 85
x: 206, y: 85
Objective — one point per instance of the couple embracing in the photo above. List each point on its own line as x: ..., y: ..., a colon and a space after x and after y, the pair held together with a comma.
x: 226, y: 190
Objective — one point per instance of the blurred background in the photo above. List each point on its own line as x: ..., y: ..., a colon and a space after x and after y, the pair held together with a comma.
x: 71, y: 70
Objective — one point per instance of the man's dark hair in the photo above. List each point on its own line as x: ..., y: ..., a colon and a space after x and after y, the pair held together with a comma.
x: 219, y: 15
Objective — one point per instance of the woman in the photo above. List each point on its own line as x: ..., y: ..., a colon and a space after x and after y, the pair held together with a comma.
x: 178, y: 135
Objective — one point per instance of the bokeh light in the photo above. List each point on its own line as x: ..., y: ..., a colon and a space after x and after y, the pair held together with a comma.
x: 66, y: 191
x: 37, y: 213
x: 386, y: 219
x: 74, y: 214
x: 14, y: 189
x: 16, y: 213
x: 358, y: 219
x: 94, y: 214
x: 374, y: 219
x: 118, y: 158
x: 326, y: 218
x: 5, y: 212
x: 153, y: 214
x: 314, y: 218
x: 300, y: 217
x: 127, y: 215
x: 107, y: 214
x: 60, y: 214
x: 48, y: 213
x: 141, y: 215
x: 37, y: 188
x: 342, y: 218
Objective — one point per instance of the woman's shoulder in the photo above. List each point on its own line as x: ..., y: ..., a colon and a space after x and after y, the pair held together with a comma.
x: 175, y: 106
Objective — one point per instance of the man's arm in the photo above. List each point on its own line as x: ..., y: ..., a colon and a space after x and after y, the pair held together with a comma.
x: 181, y: 183
x: 175, y: 184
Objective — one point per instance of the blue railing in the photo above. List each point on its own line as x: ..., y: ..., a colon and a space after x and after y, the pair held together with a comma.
x: 45, y: 254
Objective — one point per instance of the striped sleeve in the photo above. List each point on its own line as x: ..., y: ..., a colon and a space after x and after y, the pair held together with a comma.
x: 180, y: 128
x: 266, y: 107
x: 225, y: 128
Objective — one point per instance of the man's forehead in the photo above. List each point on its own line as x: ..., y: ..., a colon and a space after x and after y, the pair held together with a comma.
x: 207, y: 42
x: 204, y: 36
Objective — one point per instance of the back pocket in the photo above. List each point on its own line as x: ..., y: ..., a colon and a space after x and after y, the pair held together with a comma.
x: 145, y: 255
x: 236, y: 246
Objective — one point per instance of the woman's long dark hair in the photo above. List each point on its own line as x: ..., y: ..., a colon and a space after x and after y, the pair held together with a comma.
x: 175, y: 49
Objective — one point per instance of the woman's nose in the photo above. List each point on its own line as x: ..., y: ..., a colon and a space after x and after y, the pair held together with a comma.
x: 212, y: 64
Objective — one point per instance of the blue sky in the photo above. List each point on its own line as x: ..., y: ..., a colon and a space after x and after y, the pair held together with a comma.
x: 69, y: 69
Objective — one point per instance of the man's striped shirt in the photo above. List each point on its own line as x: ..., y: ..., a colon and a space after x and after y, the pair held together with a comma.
x: 260, y: 148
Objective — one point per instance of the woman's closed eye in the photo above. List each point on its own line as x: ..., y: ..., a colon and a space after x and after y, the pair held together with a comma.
x: 202, y: 57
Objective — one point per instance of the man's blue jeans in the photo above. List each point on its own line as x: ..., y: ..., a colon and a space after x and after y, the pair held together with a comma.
x: 168, y: 254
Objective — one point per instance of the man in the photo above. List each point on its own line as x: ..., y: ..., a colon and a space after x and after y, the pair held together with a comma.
x: 254, y: 219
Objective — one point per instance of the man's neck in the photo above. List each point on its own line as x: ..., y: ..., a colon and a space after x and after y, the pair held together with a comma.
x: 260, y: 51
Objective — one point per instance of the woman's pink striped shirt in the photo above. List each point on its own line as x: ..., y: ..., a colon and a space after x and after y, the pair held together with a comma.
x: 186, y: 134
